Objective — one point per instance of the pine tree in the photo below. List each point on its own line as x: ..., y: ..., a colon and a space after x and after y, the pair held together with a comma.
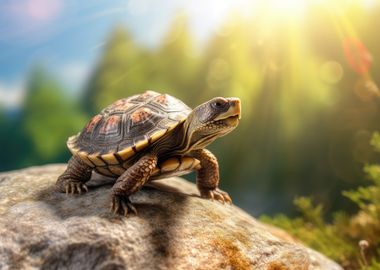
x: 175, y: 61
x: 120, y: 72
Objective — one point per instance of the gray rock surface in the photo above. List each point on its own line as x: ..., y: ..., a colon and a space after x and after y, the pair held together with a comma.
x: 175, y: 229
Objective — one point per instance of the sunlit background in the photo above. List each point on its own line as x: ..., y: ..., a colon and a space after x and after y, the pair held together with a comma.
x: 306, y: 71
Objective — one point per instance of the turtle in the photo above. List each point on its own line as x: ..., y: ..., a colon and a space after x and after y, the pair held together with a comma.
x: 147, y: 137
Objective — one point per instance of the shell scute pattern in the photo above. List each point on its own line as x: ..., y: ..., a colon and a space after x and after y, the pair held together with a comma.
x: 141, y: 115
x: 111, y: 125
x: 166, y: 102
x: 127, y: 126
x: 93, y: 122
x: 120, y: 105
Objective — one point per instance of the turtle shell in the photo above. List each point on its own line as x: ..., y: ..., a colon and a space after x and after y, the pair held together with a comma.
x: 126, y: 127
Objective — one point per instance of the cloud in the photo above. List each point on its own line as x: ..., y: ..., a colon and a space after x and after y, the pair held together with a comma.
x: 12, y: 94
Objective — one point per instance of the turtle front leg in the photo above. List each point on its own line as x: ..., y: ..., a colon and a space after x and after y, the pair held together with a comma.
x: 74, y: 177
x: 208, y: 177
x: 130, y: 182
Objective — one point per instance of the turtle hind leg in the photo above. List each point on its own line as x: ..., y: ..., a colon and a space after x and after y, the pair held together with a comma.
x: 74, y: 177
x: 130, y: 182
x: 208, y: 177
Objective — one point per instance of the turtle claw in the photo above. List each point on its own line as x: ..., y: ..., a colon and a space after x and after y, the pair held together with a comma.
x: 75, y: 188
x: 216, y: 194
x: 122, y: 205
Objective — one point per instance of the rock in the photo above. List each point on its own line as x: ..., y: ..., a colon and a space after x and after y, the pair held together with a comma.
x: 175, y: 229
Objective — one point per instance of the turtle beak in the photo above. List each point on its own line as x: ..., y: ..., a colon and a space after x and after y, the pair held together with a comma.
x: 233, y: 111
x: 235, y: 105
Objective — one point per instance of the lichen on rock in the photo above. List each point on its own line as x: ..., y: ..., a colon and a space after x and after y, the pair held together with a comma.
x: 174, y: 229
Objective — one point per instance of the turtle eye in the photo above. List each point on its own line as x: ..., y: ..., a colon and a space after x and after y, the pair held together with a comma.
x: 218, y: 104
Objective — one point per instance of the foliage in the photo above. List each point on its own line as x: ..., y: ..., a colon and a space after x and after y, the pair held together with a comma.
x: 174, y: 64
x: 121, y: 71
x: 49, y: 117
x: 352, y: 240
x: 17, y: 141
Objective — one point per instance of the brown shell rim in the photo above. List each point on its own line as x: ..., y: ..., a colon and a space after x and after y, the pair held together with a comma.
x: 111, y: 158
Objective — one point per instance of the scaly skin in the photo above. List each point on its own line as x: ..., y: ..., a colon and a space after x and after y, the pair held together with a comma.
x: 74, y: 177
x: 208, y: 177
x: 130, y: 182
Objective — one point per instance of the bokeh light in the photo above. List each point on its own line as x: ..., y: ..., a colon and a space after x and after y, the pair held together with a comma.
x: 331, y: 72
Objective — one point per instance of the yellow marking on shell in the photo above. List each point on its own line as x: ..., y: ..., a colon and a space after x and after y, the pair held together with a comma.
x: 126, y: 153
x: 110, y: 159
x: 82, y: 154
x: 97, y: 161
x: 172, y: 126
x: 169, y: 165
x: 88, y: 162
x: 141, y: 145
x: 84, y: 157
x: 156, y: 171
x: 71, y: 139
x: 71, y: 144
x: 196, y: 164
x: 73, y: 150
x: 104, y: 171
x: 155, y: 136
x: 187, y: 163
x: 116, y: 169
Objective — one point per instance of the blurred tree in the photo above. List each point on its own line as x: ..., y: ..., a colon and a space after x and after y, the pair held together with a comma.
x: 49, y: 118
x: 351, y: 239
x: 120, y: 72
x: 290, y: 115
x: 228, y: 68
x: 354, y: 111
x: 175, y: 62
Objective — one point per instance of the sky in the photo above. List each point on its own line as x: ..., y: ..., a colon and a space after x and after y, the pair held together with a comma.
x: 67, y: 36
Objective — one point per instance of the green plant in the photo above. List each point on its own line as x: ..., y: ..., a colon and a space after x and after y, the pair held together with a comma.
x: 351, y: 240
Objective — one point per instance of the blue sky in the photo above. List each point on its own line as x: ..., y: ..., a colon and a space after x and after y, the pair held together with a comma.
x: 67, y: 35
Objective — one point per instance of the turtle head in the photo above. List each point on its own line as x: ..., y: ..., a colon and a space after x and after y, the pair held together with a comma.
x: 212, y: 119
